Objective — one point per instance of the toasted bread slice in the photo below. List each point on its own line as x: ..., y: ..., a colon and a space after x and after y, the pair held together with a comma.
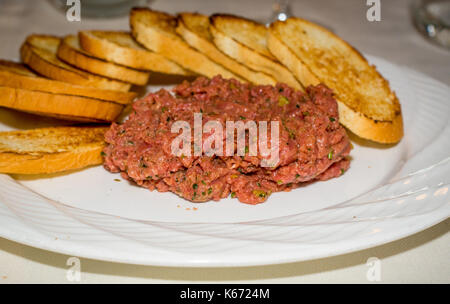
x: 247, y: 32
x: 156, y: 31
x: 16, y: 68
x: 194, y: 28
x: 69, y: 50
x: 76, y: 108
x: 121, y: 48
x: 17, y: 75
x: 50, y: 150
x: 367, y: 105
x: 245, y: 41
x: 39, y: 53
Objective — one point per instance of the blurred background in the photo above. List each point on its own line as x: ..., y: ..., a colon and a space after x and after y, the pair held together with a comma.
x: 394, y: 37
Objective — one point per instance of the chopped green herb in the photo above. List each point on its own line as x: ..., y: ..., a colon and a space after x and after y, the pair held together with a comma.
x: 291, y: 134
x: 342, y: 171
x: 332, y: 119
x: 163, y: 109
x: 259, y: 193
x: 241, y: 117
x: 246, y: 149
x: 282, y: 101
x: 233, y: 194
x: 280, y: 90
x: 131, y: 143
x: 209, y: 190
x: 203, y: 193
x: 297, y: 175
x: 306, y: 113
x: 195, y: 186
x: 103, y: 154
x: 280, y: 182
x: 297, y: 106
x: 203, y: 182
x: 330, y: 154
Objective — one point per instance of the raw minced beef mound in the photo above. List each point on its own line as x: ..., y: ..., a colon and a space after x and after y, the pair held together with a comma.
x: 312, y: 143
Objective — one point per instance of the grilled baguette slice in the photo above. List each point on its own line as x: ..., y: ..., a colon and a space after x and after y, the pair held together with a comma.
x: 68, y: 107
x: 39, y: 53
x: 69, y: 51
x: 194, y: 28
x: 367, y: 105
x: 17, y: 75
x: 121, y: 48
x: 156, y: 31
x: 245, y: 41
x: 50, y: 150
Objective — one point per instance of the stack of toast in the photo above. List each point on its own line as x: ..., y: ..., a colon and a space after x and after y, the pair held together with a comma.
x: 86, y: 78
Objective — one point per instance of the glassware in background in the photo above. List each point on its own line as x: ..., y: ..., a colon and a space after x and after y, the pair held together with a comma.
x: 281, y: 10
x: 103, y: 8
x: 432, y: 18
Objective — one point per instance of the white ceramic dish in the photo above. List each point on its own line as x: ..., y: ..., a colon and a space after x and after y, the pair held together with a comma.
x: 388, y: 193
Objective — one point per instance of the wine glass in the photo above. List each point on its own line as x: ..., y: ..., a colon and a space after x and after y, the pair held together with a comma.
x: 281, y: 10
x: 432, y: 19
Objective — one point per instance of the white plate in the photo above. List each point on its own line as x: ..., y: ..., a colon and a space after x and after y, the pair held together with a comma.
x: 388, y: 193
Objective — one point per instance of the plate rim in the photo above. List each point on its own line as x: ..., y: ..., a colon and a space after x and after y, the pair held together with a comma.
x: 68, y: 247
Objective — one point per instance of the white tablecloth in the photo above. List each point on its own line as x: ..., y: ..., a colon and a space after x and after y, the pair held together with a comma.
x: 423, y: 257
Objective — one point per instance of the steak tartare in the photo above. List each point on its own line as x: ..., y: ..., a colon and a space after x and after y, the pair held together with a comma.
x: 312, y: 143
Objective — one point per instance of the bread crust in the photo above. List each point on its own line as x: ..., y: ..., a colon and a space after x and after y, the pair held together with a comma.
x: 140, y: 59
x: 13, y: 163
x: 292, y: 62
x: 58, y: 156
x: 382, y: 131
x: 156, y: 31
x: 13, y: 79
x: 49, y: 104
x: 68, y: 52
x: 251, y: 58
x: 47, y: 64
x: 245, y: 31
x: 208, y: 48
